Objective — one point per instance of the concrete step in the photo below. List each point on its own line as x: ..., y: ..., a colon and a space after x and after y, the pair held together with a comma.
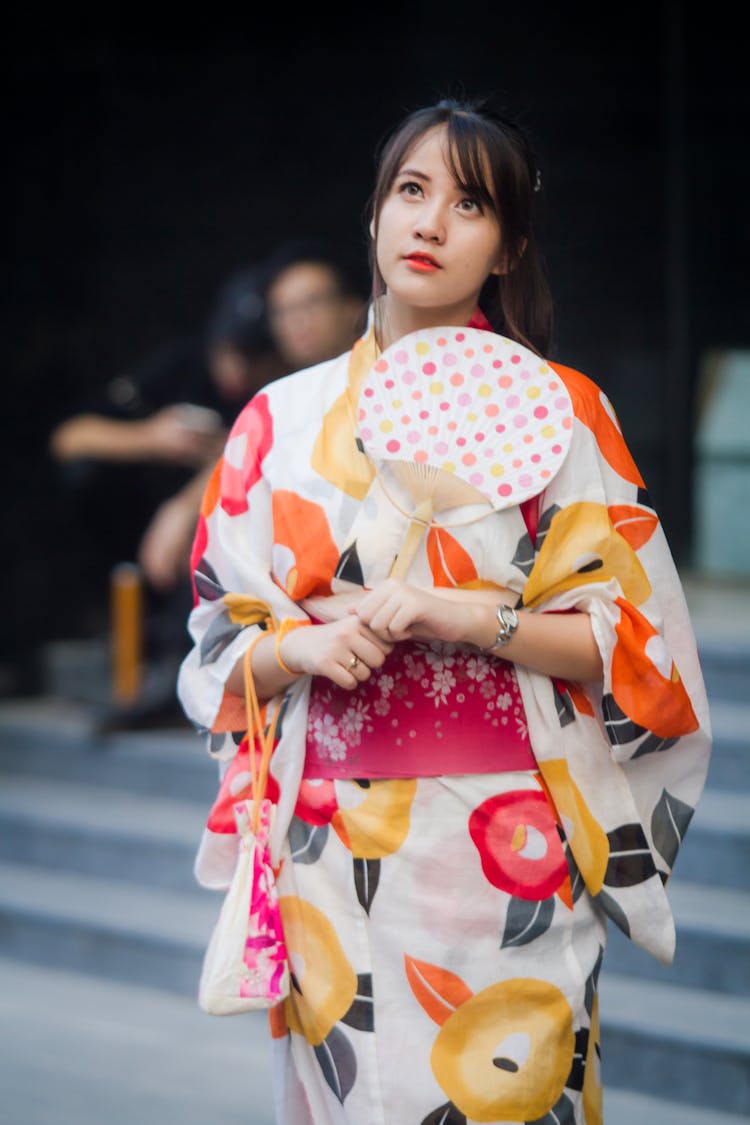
x: 64, y: 825
x: 725, y: 661
x: 729, y: 767
x: 83, y: 1051
x: 623, y: 1107
x: 713, y: 942
x: 679, y: 1044
x: 56, y: 738
x: 716, y: 850
x: 89, y: 924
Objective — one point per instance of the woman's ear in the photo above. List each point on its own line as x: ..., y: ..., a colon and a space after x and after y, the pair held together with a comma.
x: 504, y: 266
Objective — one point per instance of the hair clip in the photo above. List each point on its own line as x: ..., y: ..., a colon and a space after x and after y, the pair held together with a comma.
x: 538, y: 181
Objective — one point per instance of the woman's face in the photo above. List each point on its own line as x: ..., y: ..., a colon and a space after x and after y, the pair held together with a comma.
x: 435, y: 246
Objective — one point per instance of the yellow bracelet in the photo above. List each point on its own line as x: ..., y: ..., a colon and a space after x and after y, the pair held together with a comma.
x: 285, y: 627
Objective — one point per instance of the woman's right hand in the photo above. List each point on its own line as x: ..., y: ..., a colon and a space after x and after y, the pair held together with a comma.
x: 345, y: 651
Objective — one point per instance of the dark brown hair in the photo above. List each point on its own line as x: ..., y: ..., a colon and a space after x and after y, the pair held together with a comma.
x: 491, y: 159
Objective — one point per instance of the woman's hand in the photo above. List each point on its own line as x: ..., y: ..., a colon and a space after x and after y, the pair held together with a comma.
x: 345, y: 651
x: 401, y: 612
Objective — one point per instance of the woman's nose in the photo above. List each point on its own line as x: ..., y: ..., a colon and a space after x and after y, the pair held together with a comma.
x: 430, y: 224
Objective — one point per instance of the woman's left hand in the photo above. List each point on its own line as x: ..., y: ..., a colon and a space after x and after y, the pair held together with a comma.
x: 398, y: 611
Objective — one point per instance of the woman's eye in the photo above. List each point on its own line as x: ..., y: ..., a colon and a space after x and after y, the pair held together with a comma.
x: 470, y: 206
x: 410, y: 187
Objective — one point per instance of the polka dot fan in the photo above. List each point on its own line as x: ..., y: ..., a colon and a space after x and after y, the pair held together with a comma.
x: 457, y: 417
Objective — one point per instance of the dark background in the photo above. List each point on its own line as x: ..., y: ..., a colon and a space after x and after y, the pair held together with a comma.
x: 151, y: 153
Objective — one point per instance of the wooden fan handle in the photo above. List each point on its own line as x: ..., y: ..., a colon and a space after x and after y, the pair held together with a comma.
x: 413, y: 538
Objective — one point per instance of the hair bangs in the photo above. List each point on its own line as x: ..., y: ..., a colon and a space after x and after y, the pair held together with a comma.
x: 468, y: 158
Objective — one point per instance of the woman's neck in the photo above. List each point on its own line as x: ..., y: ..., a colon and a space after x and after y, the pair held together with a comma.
x: 393, y: 319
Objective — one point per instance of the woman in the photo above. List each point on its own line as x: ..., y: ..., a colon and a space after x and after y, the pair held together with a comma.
x: 477, y: 765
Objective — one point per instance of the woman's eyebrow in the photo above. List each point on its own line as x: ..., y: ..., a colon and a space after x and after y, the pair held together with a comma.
x: 414, y: 172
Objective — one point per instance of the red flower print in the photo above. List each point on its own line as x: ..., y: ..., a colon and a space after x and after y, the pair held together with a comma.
x: 247, y: 445
x: 518, y: 843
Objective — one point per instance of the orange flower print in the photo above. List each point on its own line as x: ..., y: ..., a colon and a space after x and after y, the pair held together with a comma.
x: 305, y: 555
x: 519, y: 845
x: 502, y: 1054
x: 324, y: 984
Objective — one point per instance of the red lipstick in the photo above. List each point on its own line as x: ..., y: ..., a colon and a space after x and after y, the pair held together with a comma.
x: 424, y: 263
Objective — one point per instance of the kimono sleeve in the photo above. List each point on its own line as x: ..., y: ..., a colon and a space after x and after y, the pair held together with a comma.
x: 233, y: 588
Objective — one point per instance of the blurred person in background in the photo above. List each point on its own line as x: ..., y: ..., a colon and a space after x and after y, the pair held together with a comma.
x: 134, y: 461
x: 316, y: 300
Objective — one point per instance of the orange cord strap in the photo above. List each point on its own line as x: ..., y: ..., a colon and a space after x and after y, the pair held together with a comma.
x: 285, y: 627
x: 265, y: 737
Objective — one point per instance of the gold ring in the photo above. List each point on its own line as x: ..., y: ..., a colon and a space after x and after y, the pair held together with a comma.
x: 353, y: 662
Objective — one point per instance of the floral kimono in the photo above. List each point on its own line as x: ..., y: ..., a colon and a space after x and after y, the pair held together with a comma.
x: 445, y: 933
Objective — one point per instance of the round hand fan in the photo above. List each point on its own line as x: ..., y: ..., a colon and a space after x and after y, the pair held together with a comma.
x: 462, y: 416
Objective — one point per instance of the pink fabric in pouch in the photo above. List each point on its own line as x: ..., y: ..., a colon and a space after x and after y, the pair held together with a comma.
x: 431, y: 710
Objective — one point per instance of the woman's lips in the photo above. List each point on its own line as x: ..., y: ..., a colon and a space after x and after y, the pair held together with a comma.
x: 423, y: 263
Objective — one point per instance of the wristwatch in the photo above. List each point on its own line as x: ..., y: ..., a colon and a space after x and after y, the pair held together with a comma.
x: 507, y: 619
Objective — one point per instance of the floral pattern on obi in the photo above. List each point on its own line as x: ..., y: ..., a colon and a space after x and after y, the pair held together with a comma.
x: 419, y: 715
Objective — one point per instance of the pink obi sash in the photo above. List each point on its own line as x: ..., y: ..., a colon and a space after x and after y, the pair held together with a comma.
x: 431, y: 710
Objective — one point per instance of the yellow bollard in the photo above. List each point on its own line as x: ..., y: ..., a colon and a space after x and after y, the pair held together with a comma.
x: 126, y: 609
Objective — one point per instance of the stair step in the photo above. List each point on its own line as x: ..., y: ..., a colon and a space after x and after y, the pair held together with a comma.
x: 148, y: 935
x: 622, y: 1107
x: 56, y: 738
x: 717, y: 846
x: 83, y: 1051
x: 729, y: 766
x: 101, y: 831
x: 713, y: 942
x: 663, y: 1039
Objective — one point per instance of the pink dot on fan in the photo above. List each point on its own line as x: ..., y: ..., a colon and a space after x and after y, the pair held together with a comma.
x: 527, y: 439
x: 557, y: 449
x: 536, y: 458
x: 505, y: 381
x: 424, y: 414
x: 401, y: 356
x: 441, y: 342
x: 497, y: 363
x: 540, y: 411
x: 515, y: 359
x: 487, y: 348
x: 553, y: 386
x: 366, y: 434
x: 389, y: 384
x: 504, y: 489
x: 378, y: 408
x: 512, y: 401
x: 517, y: 462
x: 457, y: 379
x: 525, y: 375
x: 469, y: 459
x: 560, y: 403
x: 460, y: 336
x: 476, y: 479
x: 393, y: 446
x: 469, y: 353
x: 461, y: 441
x: 464, y: 399
x: 479, y: 437
x: 405, y: 420
x: 445, y: 406
x: 449, y: 359
x: 441, y: 447
x: 416, y: 395
x: 545, y: 473
x: 369, y: 392
x: 489, y: 451
x: 429, y: 368
x: 432, y: 430
x: 500, y: 428
x: 525, y: 480
x: 413, y: 437
x: 420, y: 456
x: 478, y: 370
x: 381, y: 365
x: 408, y: 377
x: 452, y: 426
x: 520, y: 421
x: 492, y: 410
x: 567, y: 422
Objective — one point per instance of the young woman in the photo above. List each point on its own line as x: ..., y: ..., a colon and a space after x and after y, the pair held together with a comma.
x: 478, y: 765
